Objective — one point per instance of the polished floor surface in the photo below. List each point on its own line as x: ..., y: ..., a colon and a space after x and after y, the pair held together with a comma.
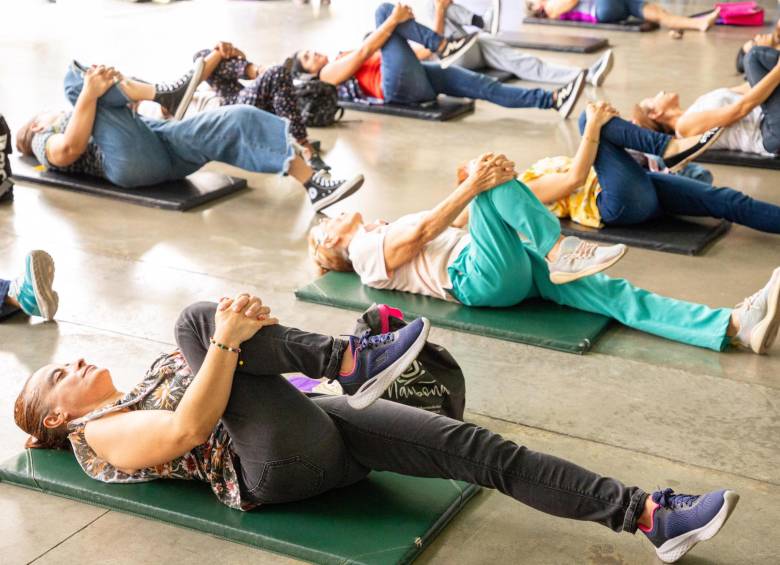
x: 640, y: 408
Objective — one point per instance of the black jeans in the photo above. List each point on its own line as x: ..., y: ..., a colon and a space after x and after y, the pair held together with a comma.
x: 758, y: 62
x: 292, y: 447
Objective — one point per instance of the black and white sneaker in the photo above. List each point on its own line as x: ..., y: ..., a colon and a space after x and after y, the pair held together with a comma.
x: 677, y: 161
x: 456, y: 48
x: 598, y: 72
x: 176, y: 96
x: 324, y: 192
x: 566, y: 97
x: 6, y: 184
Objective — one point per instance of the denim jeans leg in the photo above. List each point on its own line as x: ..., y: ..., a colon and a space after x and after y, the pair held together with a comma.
x: 687, y: 197
x: 625, y: 134
x: 758, y: 62
x: 610, y: 11
x: 456, y: 81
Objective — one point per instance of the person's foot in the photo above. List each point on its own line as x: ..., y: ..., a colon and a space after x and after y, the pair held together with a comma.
x: 599, y: 71
x: 324, y: 191
x: 680, y: 521
x: 455, y: 48
x: 33, y: 289
x: 565, y: 98
x: 578, y: 258
x: 759, y: 317
x: 176, y: 96
x: 708, y: 20
x: 380, y: 359
x: 680, y: 152
x: 315, y: 161
x: 495, y: 21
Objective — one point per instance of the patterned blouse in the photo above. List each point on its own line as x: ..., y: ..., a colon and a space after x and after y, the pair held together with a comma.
x: 163, y: 386
x: 90, y: 162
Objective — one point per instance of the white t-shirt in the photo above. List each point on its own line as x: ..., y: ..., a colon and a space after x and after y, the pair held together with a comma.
x: 425, y: 274
x: 744, y: 135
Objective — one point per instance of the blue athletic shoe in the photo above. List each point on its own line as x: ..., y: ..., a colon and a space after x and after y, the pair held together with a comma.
x: 380, y: 359
x: 33, y: 289
x: 681, y: 520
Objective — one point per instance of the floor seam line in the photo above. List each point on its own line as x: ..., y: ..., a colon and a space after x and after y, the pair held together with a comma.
x: 55, y: 546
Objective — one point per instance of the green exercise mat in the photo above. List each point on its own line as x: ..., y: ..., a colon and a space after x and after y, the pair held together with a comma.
x: 386, y: 518
x: 535, y: 322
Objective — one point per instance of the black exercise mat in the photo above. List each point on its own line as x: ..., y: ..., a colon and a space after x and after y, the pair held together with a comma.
x: 197, y: 189
x: 626, y: 25
x: 553, y: 42
x: 443, y: 109
x: 688, y: 236
x: 739, y: 159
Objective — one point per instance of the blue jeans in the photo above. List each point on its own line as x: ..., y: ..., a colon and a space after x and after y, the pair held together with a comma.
x: 5, y: 309
x: 758, y: 62
x: 405, y: 80
x: 610, y: 11
x: 141, y: 151
x: 631, y: 195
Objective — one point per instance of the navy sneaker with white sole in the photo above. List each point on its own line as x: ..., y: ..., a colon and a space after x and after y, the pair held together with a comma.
x: 324, y: 191
x: 680, y: 521
x: 380, y: 360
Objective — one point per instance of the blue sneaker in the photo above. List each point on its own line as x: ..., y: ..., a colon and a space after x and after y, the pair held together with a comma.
x: 33, y: 289
x: 380, y: 359
x: 680, y: 521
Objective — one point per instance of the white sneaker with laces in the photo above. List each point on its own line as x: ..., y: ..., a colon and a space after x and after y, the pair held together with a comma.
x: 759, y: 317
x: 578, y: 258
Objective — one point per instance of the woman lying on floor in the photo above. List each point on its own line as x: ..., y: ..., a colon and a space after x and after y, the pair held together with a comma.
x: 387, y: 68
x: 488, y: 264
x: 103, y: 137
x: 220, y: 400
x: 614, y: 11
x: 603, y: 184
x: 490, y: 52
x: 749, y: 113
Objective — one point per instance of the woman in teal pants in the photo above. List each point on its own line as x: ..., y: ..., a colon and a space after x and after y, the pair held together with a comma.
x: 513, y: 250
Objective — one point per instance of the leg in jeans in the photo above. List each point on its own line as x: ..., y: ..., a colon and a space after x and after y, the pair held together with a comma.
x: 610, y: 11
x: 758, y: 62
x: 133, y: 155
x: 456, y: 81
x: 495, y: 268
x: 288, y: 447
x: 627, y: 194
x: 499, y: 55
x: 404, y: 81
x: 687, y: 197
x: 391, y: 437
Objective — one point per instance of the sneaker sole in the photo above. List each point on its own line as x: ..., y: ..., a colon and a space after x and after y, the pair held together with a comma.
x: 495, y: 23
x: 602, y: 73
x: 675, y: 548
x: 679, y: 166
x: 449, y: 61
x: 347, y: 189
x: 42, y: 267
x: 566, y: 111
x: 190, y: 92
x: 563, y: 278
x: 765, y: 332
x: 376, y: 387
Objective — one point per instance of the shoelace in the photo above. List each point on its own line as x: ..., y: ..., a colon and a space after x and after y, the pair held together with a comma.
x: 584, y: 250
x: 172, y: 87
x: 323, y: 180
x: 668, y: 499
x: 372, y: 341
x: 750, y: 302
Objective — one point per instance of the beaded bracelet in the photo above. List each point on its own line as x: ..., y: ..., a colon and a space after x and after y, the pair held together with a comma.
x: 225, y: 347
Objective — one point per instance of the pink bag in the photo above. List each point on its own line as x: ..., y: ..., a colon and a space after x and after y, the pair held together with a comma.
x: 740, y: 14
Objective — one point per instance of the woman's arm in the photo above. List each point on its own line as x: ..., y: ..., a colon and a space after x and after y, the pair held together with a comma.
x: 65, y: 148
x: 336, y: 72
x: 404, y: 243
x: 552, y: 187
x: 144, y: 438
x: 695, y: 123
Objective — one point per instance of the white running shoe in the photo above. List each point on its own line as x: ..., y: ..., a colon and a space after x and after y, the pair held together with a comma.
x: 578, y: 258
x: 759, y: 317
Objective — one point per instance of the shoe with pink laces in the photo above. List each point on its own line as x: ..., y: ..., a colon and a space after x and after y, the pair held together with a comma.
x: 578, y: 258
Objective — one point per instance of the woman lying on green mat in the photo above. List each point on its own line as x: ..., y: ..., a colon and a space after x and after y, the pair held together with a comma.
x: 488, y: 264
x: 218, y: 410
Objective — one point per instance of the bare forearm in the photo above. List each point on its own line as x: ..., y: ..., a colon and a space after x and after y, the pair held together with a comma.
x: 586, y: 154
x: 446, y: 212
x: 210, y: 63
x: 79, y: 129
x: 439, y: 15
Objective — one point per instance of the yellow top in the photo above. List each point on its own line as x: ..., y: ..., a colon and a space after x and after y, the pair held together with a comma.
x: 580, y: 205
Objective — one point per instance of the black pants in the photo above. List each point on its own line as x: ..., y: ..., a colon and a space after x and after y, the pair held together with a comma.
x: 292, y: 447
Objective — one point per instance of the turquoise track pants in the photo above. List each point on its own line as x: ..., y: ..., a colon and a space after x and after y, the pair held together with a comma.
x: 500, y: 268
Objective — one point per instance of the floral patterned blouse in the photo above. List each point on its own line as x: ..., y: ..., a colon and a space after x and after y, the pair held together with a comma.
x: 163, y: 386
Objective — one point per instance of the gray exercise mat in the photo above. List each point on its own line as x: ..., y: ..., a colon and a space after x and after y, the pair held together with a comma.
x: 197, y: 189
x: 553, y: 42
x: 442, y: 109
x: 626, y: 25
x: 739, y: 159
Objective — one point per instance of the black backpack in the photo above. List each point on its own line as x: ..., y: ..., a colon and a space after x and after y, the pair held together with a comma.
x: 6, y: 184
x: 318, y: 102
x: 433, y: 382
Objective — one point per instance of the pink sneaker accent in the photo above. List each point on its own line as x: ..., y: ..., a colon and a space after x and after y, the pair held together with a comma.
x: 385, y: 313
x: 652, y: 521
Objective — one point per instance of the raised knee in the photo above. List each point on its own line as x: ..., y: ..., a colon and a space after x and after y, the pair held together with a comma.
x: 383, y: 11
x: 193, y: 316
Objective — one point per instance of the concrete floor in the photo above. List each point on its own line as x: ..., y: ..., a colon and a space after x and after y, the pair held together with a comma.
x: 640, y: 408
